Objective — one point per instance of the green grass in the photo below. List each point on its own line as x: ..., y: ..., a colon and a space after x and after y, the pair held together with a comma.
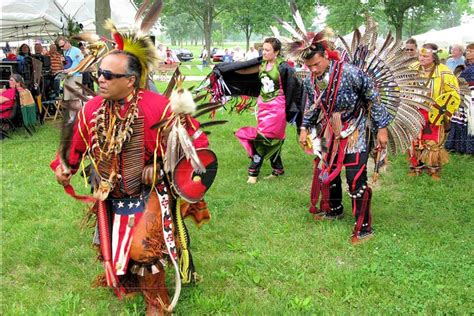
x: 262, y: 253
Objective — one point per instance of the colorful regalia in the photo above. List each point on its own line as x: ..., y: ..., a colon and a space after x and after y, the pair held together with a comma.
x: 275, y: 92
x: 363, y: 90
x: 428, y: 150
x: 266, y: 140
x: 148, y: 171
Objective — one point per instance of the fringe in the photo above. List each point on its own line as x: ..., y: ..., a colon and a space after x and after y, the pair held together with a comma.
x: 434, y: 155
x: 198, y: 212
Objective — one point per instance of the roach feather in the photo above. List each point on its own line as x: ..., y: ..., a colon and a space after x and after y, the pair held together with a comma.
x: 141, y: 10
x: 151, y: 17
x: 212, y: 123
x: 206, y: 105
x: 76, y: 93
x: 207, y: 110
x: 160, y: 124
x: 86, y: 89
x: 65, y: 142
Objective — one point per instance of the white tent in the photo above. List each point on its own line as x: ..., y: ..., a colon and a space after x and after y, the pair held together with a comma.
x: 462, y: 34
x: 44, y: 19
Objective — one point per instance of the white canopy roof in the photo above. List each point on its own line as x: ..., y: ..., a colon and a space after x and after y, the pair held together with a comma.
x: 24, y: 19
x: 462, y: 34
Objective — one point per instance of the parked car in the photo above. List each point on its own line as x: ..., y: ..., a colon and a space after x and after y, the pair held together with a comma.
x: 184, y: 54
x: 213, y: 51
x: 218, y: 55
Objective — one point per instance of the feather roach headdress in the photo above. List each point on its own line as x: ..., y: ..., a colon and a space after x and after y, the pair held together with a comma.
x: 302, y: 42
x: 137, y: 42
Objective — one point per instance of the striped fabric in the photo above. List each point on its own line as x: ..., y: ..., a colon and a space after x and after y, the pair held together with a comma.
x: 56, y: 62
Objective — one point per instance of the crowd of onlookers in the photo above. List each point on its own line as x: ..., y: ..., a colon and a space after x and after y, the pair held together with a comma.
x: 39, y: 74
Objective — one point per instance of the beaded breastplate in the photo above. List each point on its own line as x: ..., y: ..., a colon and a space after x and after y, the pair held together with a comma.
x: 117, y: 149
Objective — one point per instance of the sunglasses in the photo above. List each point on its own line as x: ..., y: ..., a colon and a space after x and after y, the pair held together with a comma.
x: 410, y: 49
x: 428, y: 50
x: 108, y: 75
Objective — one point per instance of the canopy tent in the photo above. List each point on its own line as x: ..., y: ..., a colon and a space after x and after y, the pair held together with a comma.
x: 462, y: 34
x: 45, y: 19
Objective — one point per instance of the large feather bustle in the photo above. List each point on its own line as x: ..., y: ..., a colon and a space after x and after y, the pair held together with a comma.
x: 397, y: 84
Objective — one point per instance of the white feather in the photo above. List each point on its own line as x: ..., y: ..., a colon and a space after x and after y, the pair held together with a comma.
x: 290, y: 29
x: 275, y: 31
x: 299, y: 21
x: 182, y: 102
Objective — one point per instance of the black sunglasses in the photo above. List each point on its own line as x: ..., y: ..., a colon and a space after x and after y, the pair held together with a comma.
x: 108, y: 75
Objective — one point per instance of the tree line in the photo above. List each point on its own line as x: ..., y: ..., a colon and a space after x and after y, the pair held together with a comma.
x: 213, y: 21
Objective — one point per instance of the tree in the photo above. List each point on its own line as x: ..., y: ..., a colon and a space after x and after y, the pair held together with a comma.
x: 255, y: 17
x: 102, y: 13
x: 203, y: 12
x: 397, y: 12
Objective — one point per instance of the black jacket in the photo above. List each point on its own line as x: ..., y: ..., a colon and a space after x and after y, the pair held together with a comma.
x: 249, y: 84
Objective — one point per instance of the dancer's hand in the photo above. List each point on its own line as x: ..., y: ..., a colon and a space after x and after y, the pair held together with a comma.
x: 303, y: 138
x: 62, y: 177
x: 382, y: 137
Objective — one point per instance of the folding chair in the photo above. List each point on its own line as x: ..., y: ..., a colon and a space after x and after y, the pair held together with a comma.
x: 53, y: 109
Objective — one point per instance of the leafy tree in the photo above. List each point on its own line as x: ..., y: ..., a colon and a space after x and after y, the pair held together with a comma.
x: 255, y: 17
x: 203, y: 12
x: 411, y: 15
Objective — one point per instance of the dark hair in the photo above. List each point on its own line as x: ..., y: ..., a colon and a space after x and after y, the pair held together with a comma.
x: 457, y: 71
x: 411, y: 41
x: 433, y: 47
x: 18, y: 79
x: 20, y: 52
x: 133, y: 67
x: 315, y: 48
x: 275, y: 42
x: 470, y: 46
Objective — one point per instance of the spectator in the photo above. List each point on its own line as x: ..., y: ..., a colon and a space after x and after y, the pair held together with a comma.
x: 204, y: 56
x: 238, y: 55
x: 7, y: 98
x: 456, y: 58
x: 73, y: 57
x: 227, y: 56
x: 57, y: 66
x: 171, y: 57
x: 411, y: 47
x: 251, y: 54
x: 86, y: 75
x: 162, y: 52
x: 38, y: 49
x: 461, y: 135
x: 57, y: 60
x: 24, y: 50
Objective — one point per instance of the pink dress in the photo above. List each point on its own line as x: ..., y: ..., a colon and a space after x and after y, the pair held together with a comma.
x: 271, y: 121
x: 6, y: 108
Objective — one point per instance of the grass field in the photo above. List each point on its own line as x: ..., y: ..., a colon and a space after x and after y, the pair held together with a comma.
x: 262, y: 253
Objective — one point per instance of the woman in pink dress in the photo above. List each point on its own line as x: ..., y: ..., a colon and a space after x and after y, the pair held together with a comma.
x: 265, y: 141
